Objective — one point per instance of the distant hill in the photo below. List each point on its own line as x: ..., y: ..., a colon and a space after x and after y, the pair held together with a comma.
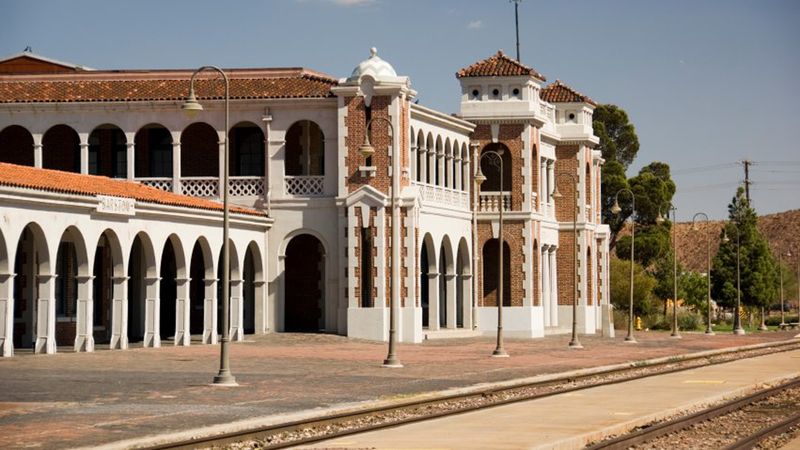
x: 781, y: 229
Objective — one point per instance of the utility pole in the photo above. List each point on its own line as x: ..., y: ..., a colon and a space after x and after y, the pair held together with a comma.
x: 516, y: 22
x: 746, y: 164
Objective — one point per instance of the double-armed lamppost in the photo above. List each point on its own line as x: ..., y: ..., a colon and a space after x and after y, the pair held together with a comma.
x: 574, y: 342
x: 737, y: 319
x: 709, y: 330
x: 616, y: 210
x: 366, y: 151
x: 495, y: 159
x: 660, y: 219
x: 192, y: 106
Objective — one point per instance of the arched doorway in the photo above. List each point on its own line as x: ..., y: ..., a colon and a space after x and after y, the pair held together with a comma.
x: 447, y: 288
x: 168, y: 290
x: 61, y: 149
x: 71, y: 261
x: 428, y: 286
x: 491, y: 251
x: 30, y: 261
x: 142, y: 275
x: 16, y: 146
x: 304, y: 286
x: 249, y: 292
x: 106, y: 287
x: 201, y: 272
x: 463, y: 287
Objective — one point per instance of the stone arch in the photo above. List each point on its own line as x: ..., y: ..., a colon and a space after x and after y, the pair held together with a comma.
x: 202, y: 292
x: 304, y: 257
x: 490, y: 272
x: 108, y: 152
x: 492, y: 171
x: 61, y: 149
x: 142, y: 291
x: 439, y: 158
x: 305, y: 149
x: 463, y: 283
x: 253, y: 289
x: 199, y: 151
x: 247, y: 150
x: 108, y: 290
x: 16, y: 146
x: 447, y: 181
x: 33, y: 281
x: 422, y: 153
x: 447, y: 285
x: 153, y: 152
x: 72, y: 295
x: 428, y: 277
x: 172, y: 291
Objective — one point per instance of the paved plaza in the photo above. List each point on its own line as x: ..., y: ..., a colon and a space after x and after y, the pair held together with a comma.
x: 82, y: 399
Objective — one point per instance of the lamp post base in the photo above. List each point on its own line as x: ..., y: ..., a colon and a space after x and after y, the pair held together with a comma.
x: 223, y: 379
x: 630, y: 340
x: 739, y: 331
x: 710, y: 332
x: 575, y: 344
x: 500, y: 353
x: 762, y: 327
x: 391, y: 363
x: 676, y: 335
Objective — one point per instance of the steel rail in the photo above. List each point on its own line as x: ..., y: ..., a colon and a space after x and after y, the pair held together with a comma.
x: 337, y: 419
x: 774, y: 430
x: 681, y: 423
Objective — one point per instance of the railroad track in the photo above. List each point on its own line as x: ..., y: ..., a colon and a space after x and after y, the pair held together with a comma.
x: 310, y: 431
x: 766, y: 404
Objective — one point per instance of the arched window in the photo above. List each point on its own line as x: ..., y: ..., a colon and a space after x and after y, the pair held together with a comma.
x: 247, y: 150
x: 491, y: 170
x: 61, y: 149
x: 16, y: 146
x: 305, y: 149
x: 108, y: 152
x: 153, y: 148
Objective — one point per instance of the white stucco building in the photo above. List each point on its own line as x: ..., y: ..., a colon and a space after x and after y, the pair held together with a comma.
x: 110, y: 222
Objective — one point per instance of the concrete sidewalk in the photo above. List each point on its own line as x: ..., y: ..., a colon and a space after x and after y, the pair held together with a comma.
x: 69, y: 399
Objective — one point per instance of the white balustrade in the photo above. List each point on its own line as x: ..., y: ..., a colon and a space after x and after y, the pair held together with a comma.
x: 246, y: 186
x: 306, y: 185
x: 490, y: 201
x: 204, y: 187
x: 547, y: 110
x: 165, y: 184
x: 441, y: 196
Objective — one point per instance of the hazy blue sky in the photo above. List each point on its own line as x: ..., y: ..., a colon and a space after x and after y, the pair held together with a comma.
x: 707, y: 83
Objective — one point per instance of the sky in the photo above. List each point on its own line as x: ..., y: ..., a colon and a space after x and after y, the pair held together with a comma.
x: 706, y: 83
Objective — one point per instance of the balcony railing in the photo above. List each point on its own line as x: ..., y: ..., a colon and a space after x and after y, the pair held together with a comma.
x: 443, y: 196
x: 246, y: 186
x: 490, y: 201
x: 204, y: 187
x: 165, y: 184
x: 305, y: 185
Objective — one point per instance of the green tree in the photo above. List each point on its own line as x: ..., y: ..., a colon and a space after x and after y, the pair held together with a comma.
x: 618, y: 140
x: 643, y: 284
x: 653, y: 188
x: 613, y: 179
x: 759, y: 276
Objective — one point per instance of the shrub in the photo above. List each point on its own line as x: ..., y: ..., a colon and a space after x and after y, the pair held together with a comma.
x: 776, y: 319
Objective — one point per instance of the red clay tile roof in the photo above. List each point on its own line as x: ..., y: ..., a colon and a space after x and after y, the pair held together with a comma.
x: 163, y: 85
x: 498, y: 65
x: 73, y: 183
x: 559, y: 92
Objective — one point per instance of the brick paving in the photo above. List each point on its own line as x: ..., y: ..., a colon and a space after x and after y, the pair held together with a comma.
x: 72, y: 399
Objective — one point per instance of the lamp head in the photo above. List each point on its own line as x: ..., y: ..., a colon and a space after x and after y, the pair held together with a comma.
x: 788, y: 253
x: 660, y: 219
x: 480, y: 177
x: 725, y: 238
x: 366, y: 148
x: 191, y: 106
x: 556, y: 192
x: 616, y: 209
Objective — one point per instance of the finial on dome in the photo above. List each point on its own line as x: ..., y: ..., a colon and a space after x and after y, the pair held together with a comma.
x: 373, y: 51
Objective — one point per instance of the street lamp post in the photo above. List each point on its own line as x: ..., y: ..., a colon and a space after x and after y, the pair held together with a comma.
x: 475, y: 207
x: 675, y: 331
x: 368, y: 150
x: 616, y: 210
x: 191, y: 106
x: 574, y: 342
x: 737, y: 320
x: 496, y: 160
x: 780, y: 271
x: 709, y: 330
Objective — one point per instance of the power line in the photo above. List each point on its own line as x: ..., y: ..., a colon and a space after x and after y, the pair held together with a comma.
x: 687, y: 170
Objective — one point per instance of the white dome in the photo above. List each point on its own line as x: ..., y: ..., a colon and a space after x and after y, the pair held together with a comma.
x: 374, y: 67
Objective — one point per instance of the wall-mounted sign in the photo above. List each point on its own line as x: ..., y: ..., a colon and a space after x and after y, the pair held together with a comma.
x: 116, y: 205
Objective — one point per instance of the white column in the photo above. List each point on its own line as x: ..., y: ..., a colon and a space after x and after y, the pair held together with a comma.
x: 442, y: 162
x: 553, y: 265
x: 84, y: 155
x: 37, y: 154
x: 544, y: 273
x: 422, y: 171
x: 6, y: 314
x: 45, y: 314
x: 449, y: 172
x: 466, y: 176
x: 119, y: 313
x: 131, y: 159
x: 458, y: 172
x: 433, y: 301
x: 176, y: 166
x: 210, y: 311
x: 84, y: 336
x: 152, y: 312
x: 413, y: 162
x: 544, y: 198
x: 182, y: 312
x: 236, y: 331
x: 450, y: 283
x: 466, y: 291
x: 431, y: 166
